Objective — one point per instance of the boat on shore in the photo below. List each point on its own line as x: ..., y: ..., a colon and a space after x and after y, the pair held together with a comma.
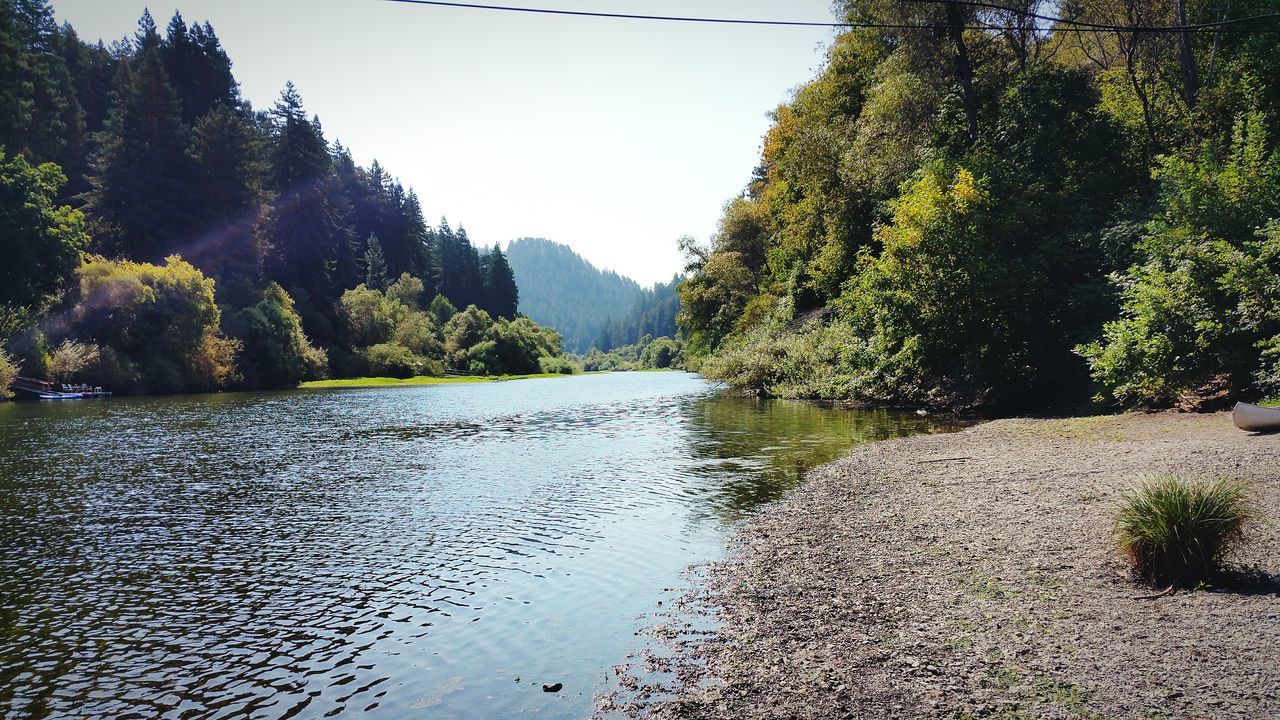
x: 1255, y: 417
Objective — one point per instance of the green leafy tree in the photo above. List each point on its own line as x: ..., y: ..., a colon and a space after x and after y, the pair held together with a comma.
x: 442, y: 310
x: 1199, y: 320
x: 370, y: 318
x: 408, y: 290
x: 462, y: 332
x: 42, y: 242
x: 158, y: 327
x: 274, y: 353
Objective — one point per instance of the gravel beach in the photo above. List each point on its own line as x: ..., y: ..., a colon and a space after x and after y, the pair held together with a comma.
x: 972, y: 575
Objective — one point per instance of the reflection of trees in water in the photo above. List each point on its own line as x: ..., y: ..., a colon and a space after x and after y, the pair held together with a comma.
x: 753, y: 450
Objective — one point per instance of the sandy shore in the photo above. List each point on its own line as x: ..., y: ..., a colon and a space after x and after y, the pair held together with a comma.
x: 971, y: 575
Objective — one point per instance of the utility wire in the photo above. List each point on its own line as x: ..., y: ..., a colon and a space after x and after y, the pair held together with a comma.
x: 1069, y: 25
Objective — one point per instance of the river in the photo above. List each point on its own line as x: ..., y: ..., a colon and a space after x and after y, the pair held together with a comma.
x: 435, y: 552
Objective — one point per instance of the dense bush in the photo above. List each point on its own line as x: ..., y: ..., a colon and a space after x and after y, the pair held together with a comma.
x: 1175, y: 531
x: 1199, y: 312
x: 395, y: 360
x: 42, y: 242
x: 157, y: 327
x: 648, y: 354
x: 821, y: 361
x: 558, y: 365
x: 71, y: 358
x: 8, y: 371
x: 274, y: 351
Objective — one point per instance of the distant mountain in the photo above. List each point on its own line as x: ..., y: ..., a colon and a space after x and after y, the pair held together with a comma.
x: 558, y: 287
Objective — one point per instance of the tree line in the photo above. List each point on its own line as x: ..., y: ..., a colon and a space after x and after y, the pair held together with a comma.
x: 973, y: 205
x: 161, y: 234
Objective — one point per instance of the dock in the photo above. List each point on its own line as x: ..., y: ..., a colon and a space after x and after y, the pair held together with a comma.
x: 33, y: 389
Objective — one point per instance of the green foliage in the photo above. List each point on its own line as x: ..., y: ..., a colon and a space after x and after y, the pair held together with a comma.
x: 955, y: 203
x: 141, y: 181
x: 463, y: 331
x: 396, y: 360
x: 647, y: 354
x: 662, y: 353
x: 418, y: 332
x: 441, y: 309
x: 821, y: 361
x: 274, y: 351
x: 8, y: 371
x: 375, y: 264
x: 653, y: 314
x: 157, y: 326
x: 71, y: 358
x: 1175, y: 531
x: 501, y: 296
x: 1199, y: 312
x: 407, y: 290
x: 556, y: 365
x: 370, y: 317
x: 42, y: 243
x: 935, y: 301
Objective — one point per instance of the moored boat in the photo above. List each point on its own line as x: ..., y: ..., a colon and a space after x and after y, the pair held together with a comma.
x: 1256, y: 417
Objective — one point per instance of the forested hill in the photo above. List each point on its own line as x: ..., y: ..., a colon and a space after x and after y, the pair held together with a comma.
x: 558, y: 287
x: 161, y: 234
x: 653, y: 314
x: 1011, y: 212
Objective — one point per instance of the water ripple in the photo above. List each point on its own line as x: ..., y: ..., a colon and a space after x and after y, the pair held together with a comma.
x: 387, y: 551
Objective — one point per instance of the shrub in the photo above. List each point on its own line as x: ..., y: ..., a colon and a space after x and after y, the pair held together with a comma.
x: 1174, y: 531
x: 160, y: 322
x: 560, y: 365
x: 8, y: 371
x: 393, y: 360
x: 274, y: 351
x: 71, y: 358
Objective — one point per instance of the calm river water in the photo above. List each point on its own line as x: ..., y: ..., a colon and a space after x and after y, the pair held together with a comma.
x: 414, y: 552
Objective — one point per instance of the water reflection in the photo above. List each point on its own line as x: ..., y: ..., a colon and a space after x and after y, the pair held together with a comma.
x: 433, y: 552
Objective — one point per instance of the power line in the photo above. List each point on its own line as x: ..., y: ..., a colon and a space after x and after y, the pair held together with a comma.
x: 1069, y: 25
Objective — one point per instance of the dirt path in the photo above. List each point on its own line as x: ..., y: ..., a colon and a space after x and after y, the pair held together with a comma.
x: 971, y: 575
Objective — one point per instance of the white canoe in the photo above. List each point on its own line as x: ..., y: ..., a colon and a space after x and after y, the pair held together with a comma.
x: 1255, y: 417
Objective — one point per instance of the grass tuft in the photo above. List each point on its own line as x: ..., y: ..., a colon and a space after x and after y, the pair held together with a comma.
x: 1174, y: 531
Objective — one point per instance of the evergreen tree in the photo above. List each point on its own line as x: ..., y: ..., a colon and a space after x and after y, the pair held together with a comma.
x: 500, y: 293
x: 230, y: 181
x: 142, y: 175
x: 375, y: 264
x: 307, y: 227
x: 198, y: 68
x: 421, y: 245
x: 39, y: 114
x: 147, y: 38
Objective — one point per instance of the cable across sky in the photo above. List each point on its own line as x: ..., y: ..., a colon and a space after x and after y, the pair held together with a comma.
x: 1232, y: 25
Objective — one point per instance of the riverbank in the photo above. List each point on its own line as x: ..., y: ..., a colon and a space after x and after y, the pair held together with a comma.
x: 971, y: 575
x: 374, y: 382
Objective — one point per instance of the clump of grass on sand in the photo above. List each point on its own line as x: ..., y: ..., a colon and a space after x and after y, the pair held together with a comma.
x: 1174, y: 530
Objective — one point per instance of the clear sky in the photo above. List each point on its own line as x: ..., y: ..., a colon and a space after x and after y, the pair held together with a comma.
x: 612, y: 136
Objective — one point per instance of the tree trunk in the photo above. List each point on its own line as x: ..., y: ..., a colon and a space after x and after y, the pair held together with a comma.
x: 1187, y: 61
x: 963, y: 69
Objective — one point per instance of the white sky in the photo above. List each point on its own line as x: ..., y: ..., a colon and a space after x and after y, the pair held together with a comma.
x: 612, y: 136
